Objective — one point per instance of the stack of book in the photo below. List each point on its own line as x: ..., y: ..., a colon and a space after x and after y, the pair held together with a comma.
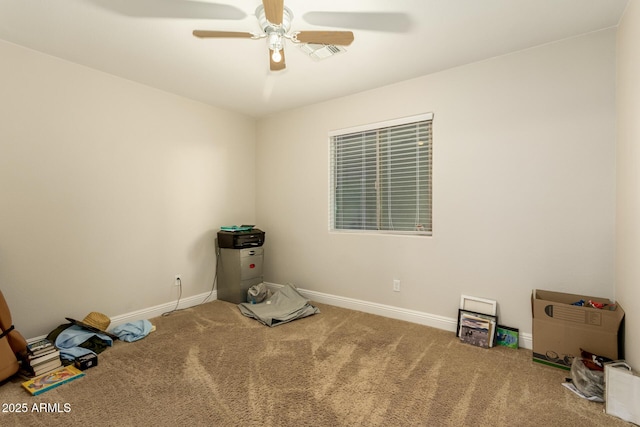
x: 42, y: 357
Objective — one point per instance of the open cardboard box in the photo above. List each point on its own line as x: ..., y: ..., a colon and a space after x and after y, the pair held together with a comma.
x: 561, y: 329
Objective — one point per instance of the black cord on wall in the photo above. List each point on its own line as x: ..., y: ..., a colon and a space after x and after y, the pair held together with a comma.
x: 213, y: 286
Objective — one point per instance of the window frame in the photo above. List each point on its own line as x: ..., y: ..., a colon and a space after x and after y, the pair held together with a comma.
x: 377, y: 127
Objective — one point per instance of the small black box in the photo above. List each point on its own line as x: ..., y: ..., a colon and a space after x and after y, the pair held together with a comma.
x: 87, y: 361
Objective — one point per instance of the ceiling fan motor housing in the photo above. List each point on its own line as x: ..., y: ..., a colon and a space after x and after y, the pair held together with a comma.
x: 269, y: 27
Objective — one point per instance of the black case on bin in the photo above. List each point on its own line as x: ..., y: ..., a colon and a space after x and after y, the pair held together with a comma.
x: 240, y: 239
x: 87, y: 361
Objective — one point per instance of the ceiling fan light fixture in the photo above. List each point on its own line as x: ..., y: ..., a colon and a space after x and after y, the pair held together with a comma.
x: 276, y: 55
x: 275, y: 44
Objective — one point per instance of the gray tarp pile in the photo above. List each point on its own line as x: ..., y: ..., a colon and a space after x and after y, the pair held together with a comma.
x: 285, y: 305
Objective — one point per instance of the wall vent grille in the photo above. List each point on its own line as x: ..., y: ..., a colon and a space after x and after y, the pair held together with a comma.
x: 321, y: 51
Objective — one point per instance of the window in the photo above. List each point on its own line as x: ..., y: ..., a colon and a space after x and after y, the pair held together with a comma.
x: 381, y: 177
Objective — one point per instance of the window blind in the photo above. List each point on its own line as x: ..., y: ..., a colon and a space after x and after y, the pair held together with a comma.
x: 381, y: 177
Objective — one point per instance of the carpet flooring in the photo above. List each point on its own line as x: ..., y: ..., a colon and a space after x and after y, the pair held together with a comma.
x: 211, y: 366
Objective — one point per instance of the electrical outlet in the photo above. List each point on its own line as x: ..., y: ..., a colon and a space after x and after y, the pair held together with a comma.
x: 178, y: 280
x: 396, y: 285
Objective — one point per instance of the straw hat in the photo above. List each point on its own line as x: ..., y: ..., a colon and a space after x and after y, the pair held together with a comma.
x: 94, y: 322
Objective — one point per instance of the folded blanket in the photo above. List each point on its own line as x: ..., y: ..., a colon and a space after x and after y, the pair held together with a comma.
x: 133, y: 331
x: 285, y: 305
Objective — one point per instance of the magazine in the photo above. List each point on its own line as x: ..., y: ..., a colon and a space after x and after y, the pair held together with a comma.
x: 52, y: 379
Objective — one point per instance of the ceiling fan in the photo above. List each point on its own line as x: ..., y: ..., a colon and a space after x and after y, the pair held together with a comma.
x: 275, y: 22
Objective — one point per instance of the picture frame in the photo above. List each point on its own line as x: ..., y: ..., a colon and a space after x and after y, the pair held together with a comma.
x: 507, y: 336
x: 476, y: 328
x: 479, y: 305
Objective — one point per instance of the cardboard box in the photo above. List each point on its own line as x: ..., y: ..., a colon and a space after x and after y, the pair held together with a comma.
x: 561, y: 329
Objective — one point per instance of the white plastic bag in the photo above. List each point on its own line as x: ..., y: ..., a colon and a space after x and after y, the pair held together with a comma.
x: 589, y: 382
x: 258, y: 293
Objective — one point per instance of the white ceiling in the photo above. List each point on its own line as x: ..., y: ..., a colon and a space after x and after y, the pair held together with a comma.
x: 151, y: 42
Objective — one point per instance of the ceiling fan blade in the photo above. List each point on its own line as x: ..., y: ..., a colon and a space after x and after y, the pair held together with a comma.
x: 235, y: 34
x: 188, y: 9
x: 339, y: 38
x: 276, y: 66
x: 274, y: 10
x: 377, y: 21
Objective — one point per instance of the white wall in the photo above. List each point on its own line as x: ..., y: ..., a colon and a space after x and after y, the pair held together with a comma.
x: 108, y: 189
x: 628, y: 178
x: 524, y: 186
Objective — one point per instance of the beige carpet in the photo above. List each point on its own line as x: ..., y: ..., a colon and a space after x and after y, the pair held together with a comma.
x: 209, y: 365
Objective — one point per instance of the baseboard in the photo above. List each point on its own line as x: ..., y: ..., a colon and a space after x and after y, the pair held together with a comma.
x: 156, y: 311
x: 413, y: 316
x: 159, y: 310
